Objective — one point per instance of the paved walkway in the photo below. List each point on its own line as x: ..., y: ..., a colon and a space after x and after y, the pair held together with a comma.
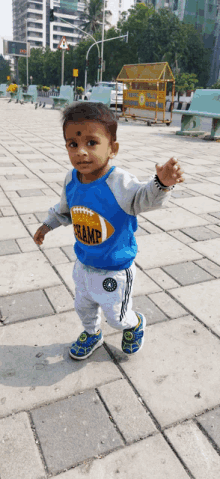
x: 155, y: 415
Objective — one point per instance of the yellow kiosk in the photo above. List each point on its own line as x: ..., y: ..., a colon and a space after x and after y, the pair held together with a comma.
x: 144, y: 94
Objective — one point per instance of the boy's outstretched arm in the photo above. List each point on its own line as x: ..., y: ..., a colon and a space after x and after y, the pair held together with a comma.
x: 40, y: 233
x: 170, y: 173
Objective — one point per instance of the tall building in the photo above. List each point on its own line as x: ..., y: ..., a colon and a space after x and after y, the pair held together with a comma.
x: 116, y: 7
x: 205, y: 16
x: 31, y: 21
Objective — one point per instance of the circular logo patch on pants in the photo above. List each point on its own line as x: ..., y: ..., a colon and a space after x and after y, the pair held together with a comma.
x: 109, y: 284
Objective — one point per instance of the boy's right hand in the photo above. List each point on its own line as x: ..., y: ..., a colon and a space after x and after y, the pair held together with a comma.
x: 40, y: 233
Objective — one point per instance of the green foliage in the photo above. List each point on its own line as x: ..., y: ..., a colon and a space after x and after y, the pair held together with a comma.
x: 79, y: 89
x: 185, y: 81
x: 4, y: 69
x: 216, y: 85
x: 92, y: 16
x: 153, y: 37
x: 195, y: 57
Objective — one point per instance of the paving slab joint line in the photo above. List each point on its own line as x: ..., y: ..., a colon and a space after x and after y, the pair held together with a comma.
x: 153, y: 418
x: 178, y: 456
x: 194, y: 315
x: 153, y: 224
x: 190, y: 261
x: 49, y: 301
x: 37, y: 442
x: 110, y: 416
x: 35, y: 173
x: 202, y: 267
x: 208, y: 437
x: 156, y: 423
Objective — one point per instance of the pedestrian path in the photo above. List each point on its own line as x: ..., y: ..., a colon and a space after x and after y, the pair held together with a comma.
x: 155, y: 415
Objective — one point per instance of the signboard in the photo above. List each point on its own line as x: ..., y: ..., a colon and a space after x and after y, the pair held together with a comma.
x: 63, y: 44
x: 75, y: 72
x: 144, y: 100
x: 18, y: 49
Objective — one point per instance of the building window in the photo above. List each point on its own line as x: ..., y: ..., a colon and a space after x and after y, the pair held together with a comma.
x: 210, y: 8
x: 175, y: 5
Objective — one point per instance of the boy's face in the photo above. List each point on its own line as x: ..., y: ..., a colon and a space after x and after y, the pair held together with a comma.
x: 89, y: 147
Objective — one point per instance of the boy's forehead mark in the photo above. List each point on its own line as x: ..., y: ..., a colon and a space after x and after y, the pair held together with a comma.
x: 78, y: 133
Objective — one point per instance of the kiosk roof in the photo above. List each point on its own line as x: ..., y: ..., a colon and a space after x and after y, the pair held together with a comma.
x: 146, y: 72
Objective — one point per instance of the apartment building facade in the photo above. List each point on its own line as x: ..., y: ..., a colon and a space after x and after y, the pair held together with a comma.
x: 205, y: 16
x: 31, y: 21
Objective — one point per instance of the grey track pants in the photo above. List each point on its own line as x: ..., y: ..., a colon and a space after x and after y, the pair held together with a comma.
x: 110, y: 291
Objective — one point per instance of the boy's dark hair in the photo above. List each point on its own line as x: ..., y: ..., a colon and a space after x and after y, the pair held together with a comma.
x: 81, y: 111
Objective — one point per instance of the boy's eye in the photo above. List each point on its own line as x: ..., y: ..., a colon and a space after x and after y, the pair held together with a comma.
x: 92, y: 143
x: 73, y: 144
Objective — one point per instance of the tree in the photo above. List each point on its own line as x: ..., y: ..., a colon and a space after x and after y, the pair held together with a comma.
x: 195, y: 57
x: 4, y: 69
x: 185, y: 81
x: 35, y: 67
x: 92, y: 16
x: 135, y: 24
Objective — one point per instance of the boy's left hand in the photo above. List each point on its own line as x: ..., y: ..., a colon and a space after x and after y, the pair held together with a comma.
x: 170, y: 173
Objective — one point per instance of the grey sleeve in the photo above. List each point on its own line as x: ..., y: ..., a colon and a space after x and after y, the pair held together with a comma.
x: 134, y: 196
x: 60, y: 214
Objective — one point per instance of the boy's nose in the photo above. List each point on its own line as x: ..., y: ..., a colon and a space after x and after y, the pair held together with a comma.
x: 82, y: 151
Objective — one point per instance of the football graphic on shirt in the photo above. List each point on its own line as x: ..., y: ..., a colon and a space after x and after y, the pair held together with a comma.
x: 89, y: 227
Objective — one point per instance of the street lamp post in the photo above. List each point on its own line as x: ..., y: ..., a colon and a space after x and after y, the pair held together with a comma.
x: 103, y: 33
x: 27, y: 52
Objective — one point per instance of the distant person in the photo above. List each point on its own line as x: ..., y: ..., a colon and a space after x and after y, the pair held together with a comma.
x: 102, y: 203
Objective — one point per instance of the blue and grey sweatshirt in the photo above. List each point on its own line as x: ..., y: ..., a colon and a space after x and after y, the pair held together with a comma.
x: 103, y: 214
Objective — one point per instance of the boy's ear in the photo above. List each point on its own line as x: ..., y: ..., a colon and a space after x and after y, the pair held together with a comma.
x: 115, y: 148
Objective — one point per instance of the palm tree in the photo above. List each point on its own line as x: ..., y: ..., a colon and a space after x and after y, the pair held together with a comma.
x: 92, y: 16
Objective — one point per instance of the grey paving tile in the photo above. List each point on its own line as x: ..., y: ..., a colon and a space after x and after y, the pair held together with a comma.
x: 200, y: 233
x: 187, y: 273
x: 8, y: 247
x: 180, y: 194
x: 211, y: 423
x: 36, y: 160
x: 15, y: 177
x: 126, y: 410
x: 20, y: 457
x: 7, y: 165
x: 216, y: 214
x: 33, y: 304
x: 209, y: 266
x: 69, y: 251
x: 141, y: 231
x: 73, y: 430
x: 51, y: 170
x: 27, y: 193
x: 144, y: 305
x: 41, y: 216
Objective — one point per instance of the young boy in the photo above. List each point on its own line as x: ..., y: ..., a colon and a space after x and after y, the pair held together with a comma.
x: 102, y: 203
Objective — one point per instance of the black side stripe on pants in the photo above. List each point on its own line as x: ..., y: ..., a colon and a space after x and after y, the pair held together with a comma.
x: 129, y: 282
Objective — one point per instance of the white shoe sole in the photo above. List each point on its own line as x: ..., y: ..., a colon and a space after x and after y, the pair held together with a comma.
x: 101, y: 341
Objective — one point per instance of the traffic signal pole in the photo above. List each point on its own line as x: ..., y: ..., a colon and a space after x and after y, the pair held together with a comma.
x: 100, y: 58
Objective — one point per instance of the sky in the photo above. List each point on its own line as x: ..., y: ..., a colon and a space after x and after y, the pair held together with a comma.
x: 5, y: 22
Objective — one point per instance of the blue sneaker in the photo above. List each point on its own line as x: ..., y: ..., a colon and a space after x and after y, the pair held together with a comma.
x: 85, y: 345
x: 133, y: 338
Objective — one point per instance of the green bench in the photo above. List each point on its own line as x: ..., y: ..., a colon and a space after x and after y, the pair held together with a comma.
x: 31, y: 94
x: 65, y: 97
x: 101, y: 94
x: 205, y: 103
x: 3, y: 88
x: 16, y: 95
